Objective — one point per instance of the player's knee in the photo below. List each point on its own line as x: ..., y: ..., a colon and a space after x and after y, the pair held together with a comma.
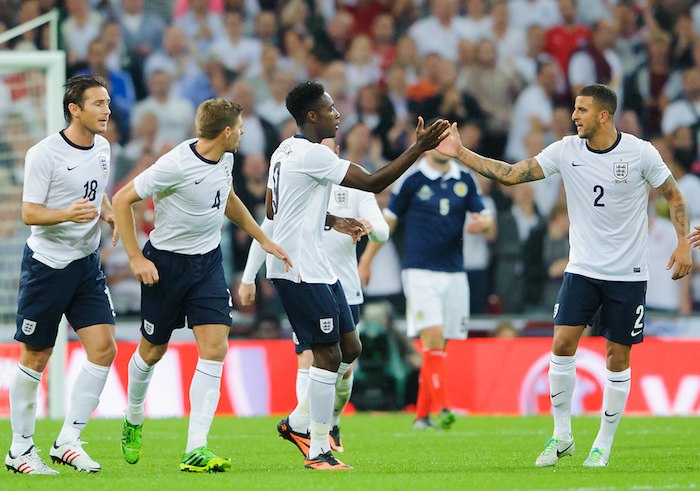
x: 327, y: 357
x: 351, y: 351
x: 305, y: 359
x: 562, y: 346
x: 215, y: 352
x: 617, y: 359
x: 103, y: 354
x: 36, y: 359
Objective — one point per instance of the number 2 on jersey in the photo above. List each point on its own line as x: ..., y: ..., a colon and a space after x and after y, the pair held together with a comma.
x: 275, y: 187
x: 598, y: 189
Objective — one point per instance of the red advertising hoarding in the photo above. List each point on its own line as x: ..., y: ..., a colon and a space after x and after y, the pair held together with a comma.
x: 485, y: 376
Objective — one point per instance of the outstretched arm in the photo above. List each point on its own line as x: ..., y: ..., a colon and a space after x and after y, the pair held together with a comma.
x: 681, y: 257
x: 426, y: 139
x: 503, y: 172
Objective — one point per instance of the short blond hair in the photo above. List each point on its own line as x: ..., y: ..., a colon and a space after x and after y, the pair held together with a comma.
x: 213, y: 116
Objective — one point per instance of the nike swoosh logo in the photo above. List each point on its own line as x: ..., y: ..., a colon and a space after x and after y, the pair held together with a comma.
x: 200, y: 180
x: 561, y: 452
x: 577, y: 165
x: 611, y: 415
x: 636, y: 333
x: 75, y: 422
x: 28, y: 436
x: 555, y: 395
x: 71, y: 168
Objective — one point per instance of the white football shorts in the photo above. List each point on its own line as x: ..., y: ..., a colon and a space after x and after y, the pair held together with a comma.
x: 436, y: 298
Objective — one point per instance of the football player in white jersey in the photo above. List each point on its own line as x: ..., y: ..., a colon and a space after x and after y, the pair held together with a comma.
x: 607, y: 175
x: 181, y: 271
x: 299, y: 184
x: 342, y: 255
x: 64, y: 198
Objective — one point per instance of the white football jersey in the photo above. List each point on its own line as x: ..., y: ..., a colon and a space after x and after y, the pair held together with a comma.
x: 301, y: 174
x: 190, y: 195
x: 58, y: 172
x: 342, y: 254
x: 607, y: 194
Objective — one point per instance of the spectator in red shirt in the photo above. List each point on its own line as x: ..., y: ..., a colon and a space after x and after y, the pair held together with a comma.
x: 567, y: 37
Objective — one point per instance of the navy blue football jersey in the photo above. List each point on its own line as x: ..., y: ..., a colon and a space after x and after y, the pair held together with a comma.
x: 433, y: 206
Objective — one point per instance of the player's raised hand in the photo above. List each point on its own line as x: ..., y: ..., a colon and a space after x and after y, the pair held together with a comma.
x: 81, y: 211
x: 144, y: 270
x: 272, y: 248
x: 246, y: 293
x: 429, y: 138
x: 694, y: 237
x: 452, y: 144
x: 681, y: 261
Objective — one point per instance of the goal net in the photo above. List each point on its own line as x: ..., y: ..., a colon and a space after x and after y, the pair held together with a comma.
x: 31, y: 95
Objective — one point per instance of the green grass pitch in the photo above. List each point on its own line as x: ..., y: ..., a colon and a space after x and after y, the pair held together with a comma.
x: 478, y: 453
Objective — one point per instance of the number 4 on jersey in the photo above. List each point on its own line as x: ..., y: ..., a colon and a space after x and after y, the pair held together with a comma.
x: 217, y: 200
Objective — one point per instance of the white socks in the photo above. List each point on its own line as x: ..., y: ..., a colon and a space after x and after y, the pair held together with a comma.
x: 321, y: 396
x: 617, y: 388
x: 562, y: 380
x: 299, y: 417
x: 83, y: 400
x: 205, y: 390
x: 140, y: 374
x: 343, y: 388
x: 302, y: 383
x: 23, y: 392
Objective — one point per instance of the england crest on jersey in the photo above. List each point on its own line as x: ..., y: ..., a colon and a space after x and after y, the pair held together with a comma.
x: 620, y: 171
x: 102, y: 159
x: 341, y: 197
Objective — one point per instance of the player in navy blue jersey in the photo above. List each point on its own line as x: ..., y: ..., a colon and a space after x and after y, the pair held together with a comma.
x: 433, y: 200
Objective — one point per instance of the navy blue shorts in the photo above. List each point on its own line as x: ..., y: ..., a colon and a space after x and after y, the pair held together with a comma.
x: 191, y: 287
x: 300, y: 348
x: 318, y: 313
x: 621, y: 306
x: 79, y: 290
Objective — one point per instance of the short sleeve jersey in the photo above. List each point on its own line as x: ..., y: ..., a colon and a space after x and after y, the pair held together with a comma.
x: 57, y: 173
x: 190, y: 194
x: 607, y: 193
x: 340, y: 249
x: 433, y: 206
x: 301, y: 175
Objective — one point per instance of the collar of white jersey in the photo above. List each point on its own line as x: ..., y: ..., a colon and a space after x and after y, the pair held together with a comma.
x: 433, y: 174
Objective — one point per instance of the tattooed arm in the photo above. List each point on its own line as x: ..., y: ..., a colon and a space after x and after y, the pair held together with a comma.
x: 678, y: 209
x: 503, y: 172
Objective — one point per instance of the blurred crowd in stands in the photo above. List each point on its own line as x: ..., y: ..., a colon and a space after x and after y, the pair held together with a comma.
x: 506, y: 70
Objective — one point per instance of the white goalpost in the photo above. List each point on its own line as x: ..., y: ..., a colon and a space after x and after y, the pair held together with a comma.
x: 31, y: 95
